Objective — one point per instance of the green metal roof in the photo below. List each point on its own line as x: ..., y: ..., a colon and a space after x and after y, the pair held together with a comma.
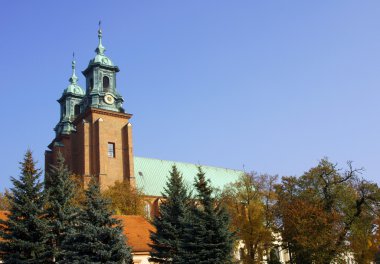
x: 100, y: 49
x: 73, y: 87
x: 152, y: 174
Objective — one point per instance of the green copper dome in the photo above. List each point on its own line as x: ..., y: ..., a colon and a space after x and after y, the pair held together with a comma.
x: 73, y: 87
x: 71, y: 105
x: 102, y: 59
x: 100, y: 76
x: 100, y: 49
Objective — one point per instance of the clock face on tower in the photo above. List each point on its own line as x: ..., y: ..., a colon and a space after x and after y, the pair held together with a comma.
x: 108, y: 98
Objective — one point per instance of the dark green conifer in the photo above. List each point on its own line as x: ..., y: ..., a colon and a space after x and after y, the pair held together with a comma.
x: 169, y: 223
x: 207, y: 238
x: 97, y: 237
x: 60, y: 211
x: 24, y: 232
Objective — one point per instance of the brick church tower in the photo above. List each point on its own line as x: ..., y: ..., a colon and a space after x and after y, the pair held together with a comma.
x: 93, y: 133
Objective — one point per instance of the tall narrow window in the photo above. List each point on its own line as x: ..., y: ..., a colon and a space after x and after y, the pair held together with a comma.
x: 147, y: 210
x: 111, y: 149
x: 76, y: 110
x: 63, y: 111
x: 106, y: 83
x: 91, y: 84
x: 241, y: 253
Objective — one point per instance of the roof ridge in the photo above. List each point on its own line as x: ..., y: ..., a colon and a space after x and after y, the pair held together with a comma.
x: 188, y: 163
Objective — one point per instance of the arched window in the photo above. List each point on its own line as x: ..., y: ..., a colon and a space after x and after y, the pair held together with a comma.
x: 63, y: 111
x: 155, y: 208
x: 274, y: 255
x: 147, y: 210
x: 106, y: 83
x: 91, y: 84
x: 241, y: 253
x: 76, y: 110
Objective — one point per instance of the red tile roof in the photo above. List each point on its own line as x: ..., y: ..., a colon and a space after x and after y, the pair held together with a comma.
x: 136, y: 228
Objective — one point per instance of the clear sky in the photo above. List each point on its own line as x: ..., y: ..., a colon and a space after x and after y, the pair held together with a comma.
x: 273, y: 86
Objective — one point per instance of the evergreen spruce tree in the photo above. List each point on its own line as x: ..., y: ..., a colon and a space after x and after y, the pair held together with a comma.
x: 169, y: 223
x: 60, y: 211
x: 24, y: 233
x: 97, y: 237
x: 207, y: 238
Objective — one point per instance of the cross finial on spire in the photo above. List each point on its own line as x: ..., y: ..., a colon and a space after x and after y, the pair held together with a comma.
x: 73, y: 79
x: 100, y: 49
x: 100, y: 29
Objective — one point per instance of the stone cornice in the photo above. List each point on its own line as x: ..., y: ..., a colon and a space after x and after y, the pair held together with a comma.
x: 103, y: 112
x: 71, y: 95
x: 98, y: 64
x: 57, y: 139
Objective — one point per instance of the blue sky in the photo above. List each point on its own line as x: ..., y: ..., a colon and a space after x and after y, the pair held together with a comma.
x: 273, y: 86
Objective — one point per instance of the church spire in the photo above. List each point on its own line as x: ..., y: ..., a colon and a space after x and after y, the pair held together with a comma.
x: 73, y: 79
x: 73, y: 87
x: 71, y: 104
x: 100, y: 49
x: 100, y: 76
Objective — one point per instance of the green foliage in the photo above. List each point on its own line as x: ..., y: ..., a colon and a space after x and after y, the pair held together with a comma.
x: 24, y: 232
x: 207, y: 238
x: 5, y: 201
x: 79, y: 192
x: 364, y: 237
x: 169, y: 223
x: 250, y: 201
x: 125, y: 200
x: 96, y: 237
x: 325, y: 212
x: 60, y: 211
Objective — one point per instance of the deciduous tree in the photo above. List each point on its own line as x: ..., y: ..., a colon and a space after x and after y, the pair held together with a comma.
x: 364, y: 238
x: 319, y: 211
x: 4, y: 200
x: 250, y: 203
x: 125, y: 199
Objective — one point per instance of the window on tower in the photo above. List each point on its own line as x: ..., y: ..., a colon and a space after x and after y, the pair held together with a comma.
x: 111, y: 149
x: 106, y: 83
x: 91, y: 84
x: 63, y: 111
x: 76, y: 109
x: 147, y: 210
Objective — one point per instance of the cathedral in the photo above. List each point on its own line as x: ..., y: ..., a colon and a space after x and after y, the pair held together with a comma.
x: 94, y: 134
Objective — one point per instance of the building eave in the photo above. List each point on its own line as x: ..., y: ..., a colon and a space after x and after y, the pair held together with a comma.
x: 92, y: 110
